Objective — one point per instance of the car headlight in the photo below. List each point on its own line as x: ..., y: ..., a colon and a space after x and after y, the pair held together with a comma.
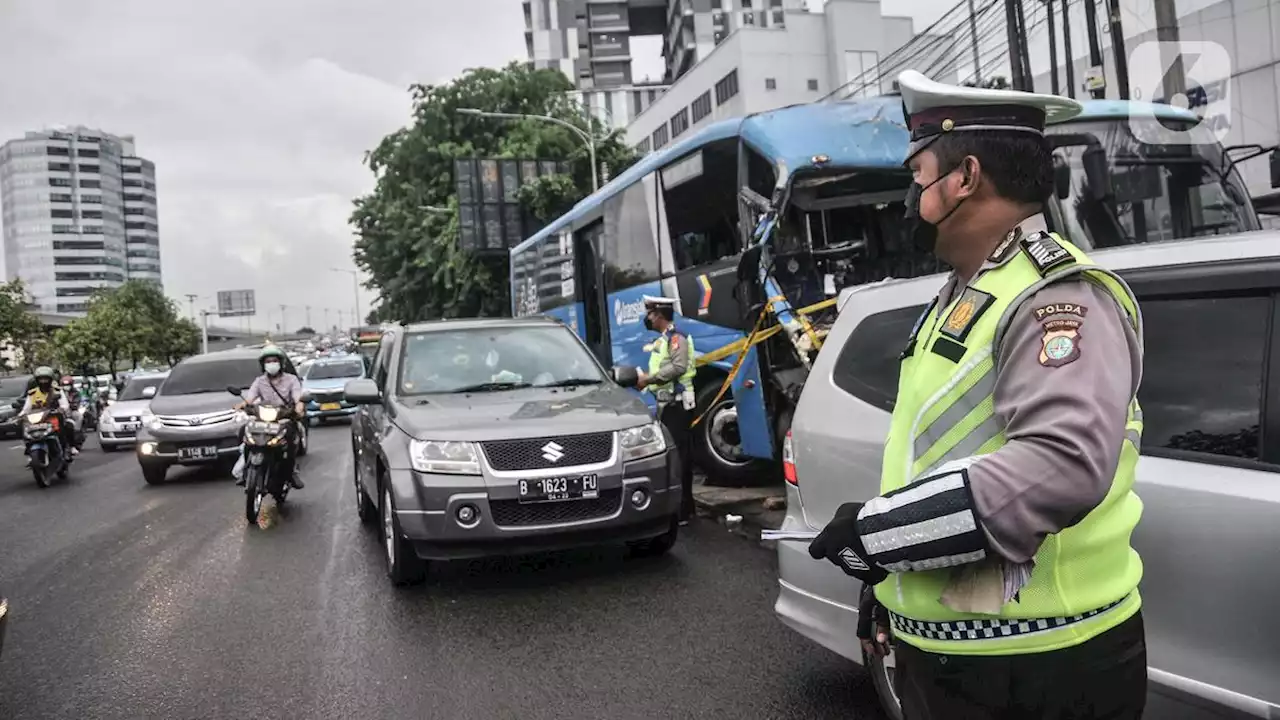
x: 642, y: 442
x: 451, y: 457
x: 150, y: 421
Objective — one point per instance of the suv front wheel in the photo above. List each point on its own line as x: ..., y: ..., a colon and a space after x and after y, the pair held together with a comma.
x: 404, y: 567
x: 154, y: 473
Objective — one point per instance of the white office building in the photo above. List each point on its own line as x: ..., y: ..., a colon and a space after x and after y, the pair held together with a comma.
x: 79, y: 213
x: 796, y: 57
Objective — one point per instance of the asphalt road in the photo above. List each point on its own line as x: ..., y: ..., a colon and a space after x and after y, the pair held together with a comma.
x: 139, y: 602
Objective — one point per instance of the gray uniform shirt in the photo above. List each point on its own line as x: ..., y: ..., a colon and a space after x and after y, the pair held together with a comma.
x: 1065, y: 421
x: 676, y: 363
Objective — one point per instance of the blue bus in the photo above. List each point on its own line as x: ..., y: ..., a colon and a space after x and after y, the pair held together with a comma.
x: 822, y: 186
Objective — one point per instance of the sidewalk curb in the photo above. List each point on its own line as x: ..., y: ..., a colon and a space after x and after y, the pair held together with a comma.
x: 743, y: 511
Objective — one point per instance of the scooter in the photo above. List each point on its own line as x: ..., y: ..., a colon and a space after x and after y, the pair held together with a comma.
x: 266, y: 448
x: 40, y: 434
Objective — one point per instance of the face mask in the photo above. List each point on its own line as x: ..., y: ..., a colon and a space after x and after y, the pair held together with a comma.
x: 272, y: 368
x: 924, y: 234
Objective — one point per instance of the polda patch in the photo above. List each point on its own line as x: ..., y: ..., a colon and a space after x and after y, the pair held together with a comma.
x: 1060, y: 309
x: 1061, y: 343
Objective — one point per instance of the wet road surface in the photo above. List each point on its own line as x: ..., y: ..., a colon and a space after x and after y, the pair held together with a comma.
x: 134, y: 602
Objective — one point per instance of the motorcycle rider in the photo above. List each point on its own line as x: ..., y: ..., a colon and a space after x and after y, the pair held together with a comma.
x: 276, y: 387
x: 47, y: 395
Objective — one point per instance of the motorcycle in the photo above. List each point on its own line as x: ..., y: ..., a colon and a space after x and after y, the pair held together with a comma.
x: 40, y: 435
x: 266, y: 449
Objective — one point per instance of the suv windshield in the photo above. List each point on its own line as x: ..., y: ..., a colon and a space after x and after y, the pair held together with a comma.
x: 1157, y: 192
x: 492, y: 359
x: 334, y: 370
x: 133, y: 391
x: 206, y: 376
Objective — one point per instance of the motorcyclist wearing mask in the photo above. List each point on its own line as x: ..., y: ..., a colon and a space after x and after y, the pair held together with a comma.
x: 277, y: 387
x: 45, y: 395
x: 1015, y: 421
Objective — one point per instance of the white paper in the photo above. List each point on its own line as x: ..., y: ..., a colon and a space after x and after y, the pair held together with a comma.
x: 805, y: 535
x: 829, y: 284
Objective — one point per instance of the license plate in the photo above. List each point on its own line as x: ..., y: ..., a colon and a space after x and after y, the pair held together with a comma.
x: 203, y: 452
x: 129, y: 426
x: 576, y: 487
x: 331, y: 406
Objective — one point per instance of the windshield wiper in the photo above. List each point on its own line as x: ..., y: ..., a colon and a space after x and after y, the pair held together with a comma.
x: 571, y: 382
x: 491, y: 386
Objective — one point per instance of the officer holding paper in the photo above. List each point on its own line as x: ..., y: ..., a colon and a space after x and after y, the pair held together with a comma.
x: 999, y: 548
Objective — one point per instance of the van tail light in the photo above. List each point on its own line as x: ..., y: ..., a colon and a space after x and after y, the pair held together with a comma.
x: 789, y: 460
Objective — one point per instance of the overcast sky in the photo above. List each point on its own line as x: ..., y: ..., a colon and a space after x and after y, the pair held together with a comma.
x: 257, y: 114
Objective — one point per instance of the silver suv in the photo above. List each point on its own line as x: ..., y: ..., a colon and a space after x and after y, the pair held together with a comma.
x: 488, y: 437
x: 190, y: 420
x: 1209, y: 476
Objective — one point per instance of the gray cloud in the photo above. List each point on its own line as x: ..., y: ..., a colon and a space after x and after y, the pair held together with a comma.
x: 257, y: 115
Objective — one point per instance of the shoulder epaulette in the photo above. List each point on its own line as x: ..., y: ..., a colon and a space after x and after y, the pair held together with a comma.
x: 1045, y: 252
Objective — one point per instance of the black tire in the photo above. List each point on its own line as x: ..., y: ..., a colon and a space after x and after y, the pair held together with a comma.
x: 882, y: 681
x: 107, y: 448
x: 365, y: 509
x: 251, y: 484
x: 41, y: 477
x: 720, y: 470
x: 154, y: 474
x: 403, y: 565
x: 661, y: 545
x: 63, y: 472
x: 322, y: 420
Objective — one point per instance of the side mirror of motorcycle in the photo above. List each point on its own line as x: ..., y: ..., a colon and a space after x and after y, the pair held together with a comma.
x: 151, y: 391
x: 234, y: 390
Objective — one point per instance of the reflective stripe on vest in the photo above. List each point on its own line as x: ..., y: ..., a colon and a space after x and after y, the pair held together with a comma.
x: 1085, y: 579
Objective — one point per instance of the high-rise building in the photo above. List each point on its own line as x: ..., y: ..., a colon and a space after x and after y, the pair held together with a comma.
x: 590, y: 40
x: 79, y: 211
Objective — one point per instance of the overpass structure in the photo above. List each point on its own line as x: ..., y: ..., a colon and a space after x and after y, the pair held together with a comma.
x: 220, y: 338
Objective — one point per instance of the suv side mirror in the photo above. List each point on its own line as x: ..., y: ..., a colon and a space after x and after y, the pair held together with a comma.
x: 627, y: 377
x: 362, y: 391
x: 1097, y: 171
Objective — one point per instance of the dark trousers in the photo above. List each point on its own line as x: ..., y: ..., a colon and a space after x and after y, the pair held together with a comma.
x: 1104, y: 678
x: 677, y: 420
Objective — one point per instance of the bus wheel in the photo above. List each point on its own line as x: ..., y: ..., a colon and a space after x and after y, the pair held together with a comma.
x: 717, y: 446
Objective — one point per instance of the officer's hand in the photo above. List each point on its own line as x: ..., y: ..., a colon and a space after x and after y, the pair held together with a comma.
x: 641, y: 379
x: 840, y: 544
x: 873, y: 624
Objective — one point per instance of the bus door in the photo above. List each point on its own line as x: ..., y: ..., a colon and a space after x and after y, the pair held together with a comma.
x: 589, y: 271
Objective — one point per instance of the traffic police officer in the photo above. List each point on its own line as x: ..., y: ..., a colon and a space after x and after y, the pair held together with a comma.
x: 999, y: 548
x: 670, y: 379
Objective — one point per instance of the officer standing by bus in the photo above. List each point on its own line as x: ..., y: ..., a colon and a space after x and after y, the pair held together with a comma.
x: 670, y: 379
x: 999, y: 549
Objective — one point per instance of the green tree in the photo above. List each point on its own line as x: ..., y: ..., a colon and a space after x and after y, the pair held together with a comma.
x: 182, y: 340
x: 410, y: 250
x: 77, y: 347
x: 19, y: 325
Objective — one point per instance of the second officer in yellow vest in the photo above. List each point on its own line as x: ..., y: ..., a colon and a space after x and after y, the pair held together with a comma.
x: 670, y: 379
x: 999, y: 548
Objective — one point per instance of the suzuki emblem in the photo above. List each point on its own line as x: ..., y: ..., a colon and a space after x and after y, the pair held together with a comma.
x: 552, y: 451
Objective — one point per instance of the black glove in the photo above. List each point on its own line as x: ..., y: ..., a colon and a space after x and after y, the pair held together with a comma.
x: 873, y: 618
x: 839, y: 543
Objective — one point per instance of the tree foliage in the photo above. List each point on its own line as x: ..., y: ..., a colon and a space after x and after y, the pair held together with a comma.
x: 134, y: 322
x: 23, y: 329
x: 408, y: 246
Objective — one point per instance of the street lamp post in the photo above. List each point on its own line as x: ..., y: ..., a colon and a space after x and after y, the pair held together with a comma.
x: 355, y: 286
x: 586, y: 137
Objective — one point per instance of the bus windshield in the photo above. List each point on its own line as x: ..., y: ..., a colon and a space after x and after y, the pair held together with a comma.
x: 1158, y: 192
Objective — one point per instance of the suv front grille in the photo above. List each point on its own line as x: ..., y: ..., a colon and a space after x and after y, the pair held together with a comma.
x: 513, y: 513
x: 549, y: 452
x: 327, y: 396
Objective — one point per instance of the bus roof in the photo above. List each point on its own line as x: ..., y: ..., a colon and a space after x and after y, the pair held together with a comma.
x: 868, y: 133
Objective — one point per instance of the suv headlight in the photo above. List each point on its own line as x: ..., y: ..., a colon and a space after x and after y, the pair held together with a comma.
x: 150, y: 421
x: 642, y: 442
x: 450, y: 457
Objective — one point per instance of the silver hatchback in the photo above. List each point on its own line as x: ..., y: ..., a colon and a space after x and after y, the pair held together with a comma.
x: 1209, y: 476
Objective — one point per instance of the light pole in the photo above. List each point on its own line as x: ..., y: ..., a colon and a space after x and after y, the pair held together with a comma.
x: 586, y: 137
x: 355, y: 287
